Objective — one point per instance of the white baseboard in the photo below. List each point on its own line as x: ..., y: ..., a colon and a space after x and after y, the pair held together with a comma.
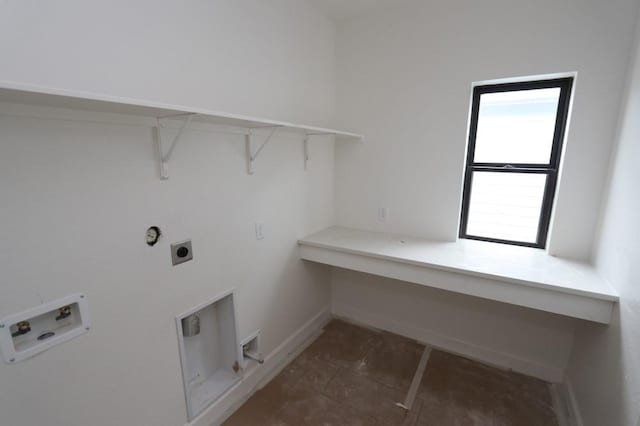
x: 258, y: 375
x: 466, y: 349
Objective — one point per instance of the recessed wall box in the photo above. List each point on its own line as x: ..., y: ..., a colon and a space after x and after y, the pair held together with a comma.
x: 181, y: 252
x: 28, y: 333
x: 250, y: 349
x: 210, y: 358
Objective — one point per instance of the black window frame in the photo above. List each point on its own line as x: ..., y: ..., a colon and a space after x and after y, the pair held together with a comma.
x: 550, y: 169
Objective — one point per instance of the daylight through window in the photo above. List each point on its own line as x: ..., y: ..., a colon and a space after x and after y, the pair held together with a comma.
x: 515, y: 142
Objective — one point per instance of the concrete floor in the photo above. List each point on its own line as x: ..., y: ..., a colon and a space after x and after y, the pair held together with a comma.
x: 354, y: 376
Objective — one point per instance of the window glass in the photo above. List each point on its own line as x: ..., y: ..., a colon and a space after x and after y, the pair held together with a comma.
x: 516, y: 127
x: 506, y: 206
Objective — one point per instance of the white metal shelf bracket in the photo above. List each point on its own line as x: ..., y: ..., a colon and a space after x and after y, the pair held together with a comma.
x: 305, y: 144
x: 252, y: 156
x: 165, y: 157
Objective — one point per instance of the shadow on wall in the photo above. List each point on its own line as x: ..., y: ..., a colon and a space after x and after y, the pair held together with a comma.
x: 529, y: 341
x: 602, y: 345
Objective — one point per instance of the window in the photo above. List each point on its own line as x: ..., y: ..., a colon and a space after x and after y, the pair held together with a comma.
x: 515, y: 141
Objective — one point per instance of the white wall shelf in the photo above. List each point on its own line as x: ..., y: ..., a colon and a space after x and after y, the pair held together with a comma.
x: 11, y: 92
x: 515, y: 275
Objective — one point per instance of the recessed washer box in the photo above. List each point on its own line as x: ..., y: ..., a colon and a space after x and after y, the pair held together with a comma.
x: 35, y: 330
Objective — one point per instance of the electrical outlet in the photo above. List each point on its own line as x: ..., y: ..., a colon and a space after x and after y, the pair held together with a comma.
x: 181, y: 252
x: 259, y: 231
x: 383, y: 214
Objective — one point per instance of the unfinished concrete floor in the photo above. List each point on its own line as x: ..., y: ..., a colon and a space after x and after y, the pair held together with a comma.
x: 354, y: 376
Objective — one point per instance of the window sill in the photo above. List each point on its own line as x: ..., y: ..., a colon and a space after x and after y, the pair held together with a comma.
x: 516, y: 275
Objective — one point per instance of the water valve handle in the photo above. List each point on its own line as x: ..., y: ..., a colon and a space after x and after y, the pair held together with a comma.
x: 65, y: 312
x: 23, y: 328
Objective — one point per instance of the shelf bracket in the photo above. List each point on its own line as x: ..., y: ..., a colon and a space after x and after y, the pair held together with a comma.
x: 165, y: 157
x: 305, y: 145
x: 252, y: 156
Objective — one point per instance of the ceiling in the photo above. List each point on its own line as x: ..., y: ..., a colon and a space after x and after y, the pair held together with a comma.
x: 347, y: 9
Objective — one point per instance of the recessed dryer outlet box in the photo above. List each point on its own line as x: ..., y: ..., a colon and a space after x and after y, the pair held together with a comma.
x: 181, y: 252
x: 28, y: 333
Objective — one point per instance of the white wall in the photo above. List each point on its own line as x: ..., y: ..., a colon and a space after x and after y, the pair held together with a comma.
x: 78, y: 193
x: 271, y: 59
x: 404, y: 80
x: 604, y: 370
x: 526, y: 340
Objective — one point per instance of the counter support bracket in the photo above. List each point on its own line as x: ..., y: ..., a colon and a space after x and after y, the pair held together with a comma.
x: 305, y: 146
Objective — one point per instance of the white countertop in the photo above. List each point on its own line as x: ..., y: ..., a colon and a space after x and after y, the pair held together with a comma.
x: 500, y: 262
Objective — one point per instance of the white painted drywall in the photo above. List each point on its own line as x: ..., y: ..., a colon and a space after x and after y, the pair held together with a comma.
x: 77, y: 194
x: 271, y: 59
x: 529, y: 341
x: 404, y: 80
x: 340, y: 9
x: 603, y: 371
